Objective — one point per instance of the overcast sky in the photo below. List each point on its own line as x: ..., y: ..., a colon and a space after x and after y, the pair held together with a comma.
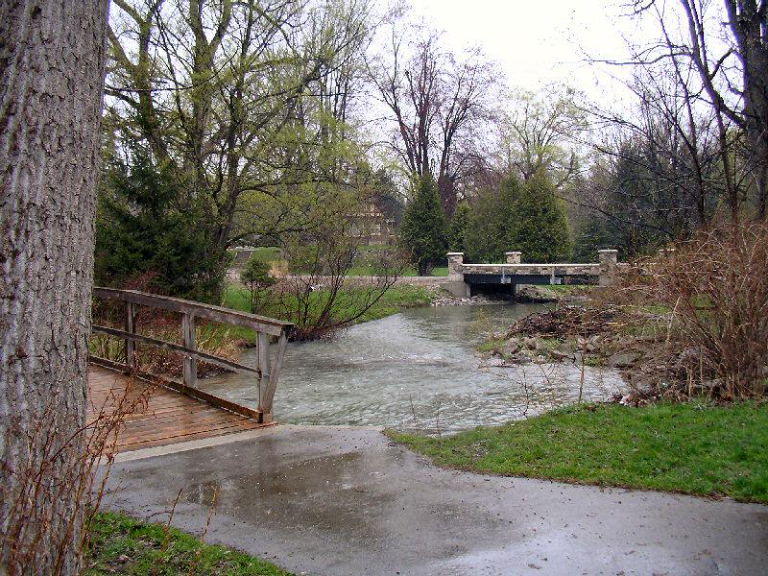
x: 537, y: 42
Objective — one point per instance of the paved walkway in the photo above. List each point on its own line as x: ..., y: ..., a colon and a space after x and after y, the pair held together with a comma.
x: 349, y: 502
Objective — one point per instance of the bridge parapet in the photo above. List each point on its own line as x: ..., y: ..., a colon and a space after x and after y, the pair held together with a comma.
x: 462, y: 276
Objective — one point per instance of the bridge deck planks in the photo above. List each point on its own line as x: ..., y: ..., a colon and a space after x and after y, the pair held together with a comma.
x: 166, y: 417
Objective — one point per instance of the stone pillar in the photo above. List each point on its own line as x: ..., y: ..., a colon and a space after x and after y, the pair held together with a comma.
x: 455, y: 263
x: 456, y: 284
x: 514, y: 257
x: 666, y: 252
x: 609, y: 263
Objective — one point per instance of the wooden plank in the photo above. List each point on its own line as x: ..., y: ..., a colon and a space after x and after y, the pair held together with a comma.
x: 209, y: 312
x: 126, y: 447
x: 169, y: 417
x: 191, y: 392
x: 148, y: 435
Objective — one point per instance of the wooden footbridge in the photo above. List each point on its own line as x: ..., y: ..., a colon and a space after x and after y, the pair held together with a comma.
x: 159, y: 410
x: 462, y: 278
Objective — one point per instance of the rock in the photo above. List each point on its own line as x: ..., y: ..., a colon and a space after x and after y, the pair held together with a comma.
x: 494, y: 363
x: 559, y: 355
x: 531, y: 343
x: 540, y: 359
x: 623, y: 360
x: 513, y: 346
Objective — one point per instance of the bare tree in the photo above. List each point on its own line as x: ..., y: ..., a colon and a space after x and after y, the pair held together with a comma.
x: 51, y: 74
x: 539, y: 133
x: 438, y: 104
x: 728, y: 48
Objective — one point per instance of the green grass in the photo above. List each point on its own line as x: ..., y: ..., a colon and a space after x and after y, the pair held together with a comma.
x: 692, y: 448
x: 393, y: 300
x: 267, y: 254
x: 124, y: 546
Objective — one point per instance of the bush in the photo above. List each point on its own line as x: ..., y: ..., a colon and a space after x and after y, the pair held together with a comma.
x: 256, y: 278
x: 716, y: 285
x: 526, y: 217
x: 423, y: 231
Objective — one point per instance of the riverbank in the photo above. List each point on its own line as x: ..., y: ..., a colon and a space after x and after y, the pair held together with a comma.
x: 692, y: 448
x: 636, y: 340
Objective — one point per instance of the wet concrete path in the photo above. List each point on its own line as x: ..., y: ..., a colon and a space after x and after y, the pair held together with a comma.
x: 349, y: 502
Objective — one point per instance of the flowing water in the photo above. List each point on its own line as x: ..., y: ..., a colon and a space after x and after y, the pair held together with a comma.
x: 417, y: 369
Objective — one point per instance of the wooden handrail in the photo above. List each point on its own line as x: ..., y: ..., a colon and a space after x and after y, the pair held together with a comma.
x: 266, y: 372
x: 270, y: 326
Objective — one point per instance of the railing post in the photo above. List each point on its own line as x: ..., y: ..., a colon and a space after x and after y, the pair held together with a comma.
x: 265, y: 404
x: 130, y: 345
x: 188, y: 337
x: 268, y: 391
x: 609, y: 263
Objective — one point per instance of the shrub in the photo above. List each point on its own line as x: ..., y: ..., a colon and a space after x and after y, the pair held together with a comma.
x: 489, y: 232
x: 527, y: 217
x: 256, y: 278
x: 716, y: 284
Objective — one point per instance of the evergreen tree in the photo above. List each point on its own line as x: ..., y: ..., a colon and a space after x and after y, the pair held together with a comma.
x: 142, y: 229
x: 540, y: 227
x: 490, y: 231
x: 458, y: 230
x: 423, y: 231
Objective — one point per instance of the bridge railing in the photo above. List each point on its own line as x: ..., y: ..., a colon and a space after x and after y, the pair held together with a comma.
x: 267, y: 369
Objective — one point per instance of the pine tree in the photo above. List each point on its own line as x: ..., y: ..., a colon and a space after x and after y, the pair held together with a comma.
x: 490, y: 229
x: 458, y: 230
x: 540, y: 227
x: 143, y: 230
x: 423, y: 231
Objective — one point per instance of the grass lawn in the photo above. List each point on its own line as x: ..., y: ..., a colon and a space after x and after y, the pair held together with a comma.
x: 693, y: 448
x: 124, y: 546
x: 267, y: 254
x: 393, y: 300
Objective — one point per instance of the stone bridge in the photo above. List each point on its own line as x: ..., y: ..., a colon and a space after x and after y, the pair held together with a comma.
x: 463, y: 277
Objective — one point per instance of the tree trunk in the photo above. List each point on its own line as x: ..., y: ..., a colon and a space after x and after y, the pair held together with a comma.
x: 51, y: 73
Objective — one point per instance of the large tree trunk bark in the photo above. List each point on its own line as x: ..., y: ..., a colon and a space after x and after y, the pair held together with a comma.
x: 51, y: 73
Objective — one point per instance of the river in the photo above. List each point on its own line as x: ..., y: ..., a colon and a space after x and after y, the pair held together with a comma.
x: 418, y: 369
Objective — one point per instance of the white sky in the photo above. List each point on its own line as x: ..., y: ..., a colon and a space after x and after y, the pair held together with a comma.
x: 538, y: 42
